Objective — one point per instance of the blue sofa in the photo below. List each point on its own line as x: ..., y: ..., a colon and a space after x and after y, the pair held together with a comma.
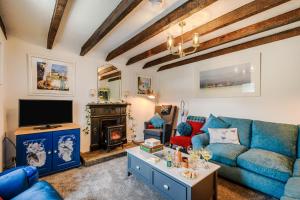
x: 22, y: 183
x: 267, y: 160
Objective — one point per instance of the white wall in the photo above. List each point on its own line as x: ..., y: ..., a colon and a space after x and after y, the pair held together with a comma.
x: 280, y: 85
x: 2, y: 96
x: 86, y: 79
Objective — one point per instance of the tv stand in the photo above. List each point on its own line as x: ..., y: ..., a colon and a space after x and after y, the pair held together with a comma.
x: 48, y: 126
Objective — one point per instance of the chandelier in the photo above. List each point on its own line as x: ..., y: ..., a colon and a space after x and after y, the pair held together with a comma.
x: 180, y: 51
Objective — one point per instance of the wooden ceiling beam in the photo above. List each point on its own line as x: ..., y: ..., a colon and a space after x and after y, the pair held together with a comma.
x: 261, y: 41
x: 248, y: 10
x: 58, y: 12
x: 180, y: 13
x: 3, y: 28
x: 118, y: 14
x: 106, y: 70
x: 114, y: 79
x: 275, y: 22
x: 112, y: 75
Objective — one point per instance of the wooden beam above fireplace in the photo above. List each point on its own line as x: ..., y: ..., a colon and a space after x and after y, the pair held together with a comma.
x: 112, y: 75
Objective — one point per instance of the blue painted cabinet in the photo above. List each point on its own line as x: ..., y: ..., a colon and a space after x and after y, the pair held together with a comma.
x: 49, y: 151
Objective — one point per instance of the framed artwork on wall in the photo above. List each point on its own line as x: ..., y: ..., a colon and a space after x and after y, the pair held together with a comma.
x: 144, y: 85
x: 50, y: 77
x: 240, y: 79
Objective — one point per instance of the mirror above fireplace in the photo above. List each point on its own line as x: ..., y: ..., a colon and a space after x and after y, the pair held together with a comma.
x: 109, y: 83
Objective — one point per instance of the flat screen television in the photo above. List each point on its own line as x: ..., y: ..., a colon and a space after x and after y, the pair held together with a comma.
x: 45, y: 112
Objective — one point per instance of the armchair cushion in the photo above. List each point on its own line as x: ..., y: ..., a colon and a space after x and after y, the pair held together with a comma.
x: 13, y: 183
x: 267, y: 163
x: 183, y: 141
x: 214, y: 122
x: 41, y: 191
x: 157, y: 121
x: 153, y: 132
x: 226, y: 153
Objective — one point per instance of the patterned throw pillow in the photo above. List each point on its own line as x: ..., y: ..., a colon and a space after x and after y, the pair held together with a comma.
x: 166, y: 109
x: 214, y: 122
x: 223, y: 135
x: 184, y: 129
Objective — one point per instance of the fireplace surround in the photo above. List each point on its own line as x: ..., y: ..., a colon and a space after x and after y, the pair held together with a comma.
x: 108, y: 125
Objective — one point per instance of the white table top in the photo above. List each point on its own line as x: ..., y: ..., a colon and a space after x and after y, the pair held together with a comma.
x: 172, y: 171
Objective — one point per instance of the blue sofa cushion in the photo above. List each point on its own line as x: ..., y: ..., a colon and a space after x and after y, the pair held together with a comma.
x: 267, y: 163
x: 13, y: 183
x: 200, y: 141
x: 214, y: 122
x: 292, y: 188
x: 287, y: 198
x: 41, y: 191
x: 226, y: 153
x: 243, y: 126
x: 279, y: 138
x: 296, y: 171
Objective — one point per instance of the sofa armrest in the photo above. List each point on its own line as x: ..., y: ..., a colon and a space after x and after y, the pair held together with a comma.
x: 200, y: 141
x: 13, y: 183
x: 31, y: 173
x: 296, y: 171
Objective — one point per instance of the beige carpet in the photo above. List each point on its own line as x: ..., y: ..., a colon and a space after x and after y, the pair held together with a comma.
x: 109, y: 181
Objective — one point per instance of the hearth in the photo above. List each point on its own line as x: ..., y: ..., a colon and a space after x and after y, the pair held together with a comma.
x: 108, y: 126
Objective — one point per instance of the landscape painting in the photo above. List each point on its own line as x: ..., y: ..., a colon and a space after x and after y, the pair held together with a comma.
x: 226, y: 77
x: 51, y: 77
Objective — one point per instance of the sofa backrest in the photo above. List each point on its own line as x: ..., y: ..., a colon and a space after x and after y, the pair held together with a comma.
x: 243, y: 126
x: 276, y: 137
x: 298, y: 141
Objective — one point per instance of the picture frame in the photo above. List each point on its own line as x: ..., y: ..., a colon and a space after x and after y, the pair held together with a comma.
x: 231, y: 77
x: 50, y: 77
x: 144, y: 84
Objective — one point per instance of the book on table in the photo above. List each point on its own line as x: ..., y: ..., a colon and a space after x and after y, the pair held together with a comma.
x: 153, y: 149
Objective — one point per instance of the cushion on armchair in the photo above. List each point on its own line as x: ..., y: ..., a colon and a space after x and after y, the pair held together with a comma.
x: 214, y: 122
x: 184, y: 129
x: 183, y: 141
x: 291, y: 189
x: 157, y: 121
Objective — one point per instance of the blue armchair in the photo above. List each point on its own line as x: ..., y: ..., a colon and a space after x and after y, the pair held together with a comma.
x: 22, y: 183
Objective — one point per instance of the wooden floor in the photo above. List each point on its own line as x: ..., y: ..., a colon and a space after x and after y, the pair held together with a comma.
x: 99, y: 156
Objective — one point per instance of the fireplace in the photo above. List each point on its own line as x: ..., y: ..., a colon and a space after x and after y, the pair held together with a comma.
x: 108, y: 126
x: 114, y: 136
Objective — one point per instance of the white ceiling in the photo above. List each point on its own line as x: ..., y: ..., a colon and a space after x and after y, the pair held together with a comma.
x: 30, y: 19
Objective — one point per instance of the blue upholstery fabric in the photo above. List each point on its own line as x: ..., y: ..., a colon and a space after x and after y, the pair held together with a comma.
x: 41, y: 191
x: 214, y: 122
x: 287, y: 198
x: 243, y: 126
x: 31, y: 173
x: 184, y: 129
x: 292, y: 188
x: 252, y: 180
x: 200, y: 141
x: 279, y: 138
x: 13, y: 183
x: 157, y: 121
x: 196, y: 119
x: 267, y: 163
x: 226, y: 153
x: 299, y: 141
x: 296, y: 171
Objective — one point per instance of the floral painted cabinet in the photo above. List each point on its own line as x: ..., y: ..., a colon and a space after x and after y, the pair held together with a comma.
x: 49, y: 151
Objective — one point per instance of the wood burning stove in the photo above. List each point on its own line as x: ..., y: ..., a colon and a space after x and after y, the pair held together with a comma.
x: 114, y: 136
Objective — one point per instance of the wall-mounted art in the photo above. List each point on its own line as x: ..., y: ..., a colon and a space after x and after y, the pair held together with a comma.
x: 144, y: 85
x: 51, y: 77
x: 236, y: 80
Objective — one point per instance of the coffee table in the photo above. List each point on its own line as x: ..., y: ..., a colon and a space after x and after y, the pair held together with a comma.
x: 168, y: 181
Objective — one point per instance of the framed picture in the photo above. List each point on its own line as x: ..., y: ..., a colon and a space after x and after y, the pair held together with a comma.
x: 144, y: 85
x: 239, y: 79
x: 50, y: 77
